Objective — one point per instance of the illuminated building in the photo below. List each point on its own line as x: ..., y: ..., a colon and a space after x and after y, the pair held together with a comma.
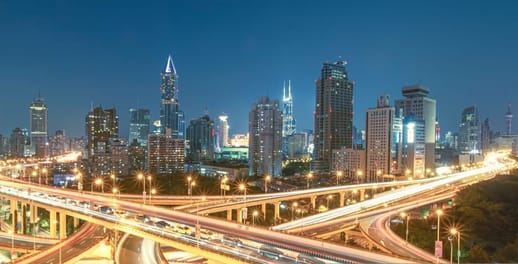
x: 333, y: 114
x: 485, y: 136
x: 101, y: 125
x: 57, y: 143
x: 16, y: 144
x: 201, y: 138
x: 413, y: 147
x: 166, y: 155
x: 508, y: 120
x: 136, y: 157
x: 222, y: 134
x: 351, y: 162
x: 288, y: 121
x: 139, y: 125
x: 265, y: 128
x: 239, y: 140
x: 469, y: 131
x: 379, y: 127
x: 39, y: 131
x: 423, y: 109
x: 171, y: 118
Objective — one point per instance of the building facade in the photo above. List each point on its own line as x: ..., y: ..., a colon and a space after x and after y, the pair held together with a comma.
x: 288, y: 120
x: 39, y: 127
x: 379, y: 140
x: 333, y: 114
x: 101, y: 125
x: 351, y: 162
x: 469, y: 131
x: 166, y: 155
x: 140, y: 120
x: 223, y: 127
x: 201, y: 138
x: 171, y: 118
x: 265, y: 147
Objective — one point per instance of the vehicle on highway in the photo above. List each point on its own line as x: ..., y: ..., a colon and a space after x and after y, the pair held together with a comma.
x: 232, y: 241
x: 183, y: 229
x: 121, y: 213
x: 303, y: 258
x: 270, y: 252
x: 105, y: 210
x: 162, y: 224
x: 142, y: 218
x: 206, y: 234
x: 84, y: 204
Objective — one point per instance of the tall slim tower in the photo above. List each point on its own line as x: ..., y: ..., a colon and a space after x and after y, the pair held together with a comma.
x: 288, y: 121
x: 201, y: 134
x: 139, y: 125
x: 265, y: 127
x: 508, y: 120
x: 469, y: 131
x: 223, y: 127
x: 333, y: 114
x: 171, y: 118
x: 39, y: 130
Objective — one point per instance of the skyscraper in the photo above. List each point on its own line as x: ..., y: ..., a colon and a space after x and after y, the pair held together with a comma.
x: 379, y: 126
x: 165, y: 154
x: 288, y: 121
x: 333, y: 114
x: 171, y: 118
x: 16, y: 144
x: 39, y: 130
x: 485, y: 136
x: 201, y: 135
x: 222, y: 134
x: 422, y: 109
x: 139, y: 125
x: 101, y: 125
x: 508, y: 120
x: 469, y: 131
x: 265, y: 147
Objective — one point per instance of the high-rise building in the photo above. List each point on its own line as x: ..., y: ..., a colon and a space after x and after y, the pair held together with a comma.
x: 240, y: 140
x: 333, y: 114
x: 379, y: 127
x: 265, y: 147
x: 485, y: 136
x: 413, y: 147
x: 351, y: 162
x: 422, y: 109
x: 119, y: 156
x: 139, y: 125
x: 136, y: 157
x: 39, y: 128
x: 288, y: 121
x: 223, y: 127
x: 201, y: 137
x: 509, y: 120
x: 17, y: 144
x: 57, y: 143
x: 469, y: 131
x: 101, y: 125
x: 166, y: 155
x: 171, y: 118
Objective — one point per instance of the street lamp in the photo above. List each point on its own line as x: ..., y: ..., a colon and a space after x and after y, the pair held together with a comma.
x: 359, y: 174
x: 45, y: 171
x: 189, y: 186
x: 293, y: 206
x: 224, y: 186
x: 267, y: 178
x: 11, y: 232
x: 244, y: 211
x: 439, y: 212
x: 456, y: 232
x: 308, y: 179
x: 79, y: 178
x: 140, y: 176
x: 115, y: 190
x: 34, y: 173
x: 329, y: 197
x: 450, y: 238
x: 149, y: 178
x: 99, y: 181
x: 254, y: 215
x: 151, y: 192
x: 405, y: 215
x: 338, y: 176
x: 112, y: 176
x: 378, y: 175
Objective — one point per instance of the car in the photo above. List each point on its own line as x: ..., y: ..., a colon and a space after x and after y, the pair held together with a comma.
x: 183, y: 229
x: 232, y: 241
x: 121, y: 213
x: 162, y: 224
x: 206, y: 234
x: 84, y: 204
x: 105, y: 210
x: 142, y: 218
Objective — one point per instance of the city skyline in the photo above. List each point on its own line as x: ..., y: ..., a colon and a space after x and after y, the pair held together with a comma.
x: 76, y: 60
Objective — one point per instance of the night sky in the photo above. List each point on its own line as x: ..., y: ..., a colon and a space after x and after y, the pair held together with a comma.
x: 228, y: 53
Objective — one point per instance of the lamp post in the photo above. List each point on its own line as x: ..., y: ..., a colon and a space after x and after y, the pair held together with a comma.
x: 405, y: 215
x: 112, y: 176
x: 338, y: 176
x: 329, y: 197
x: 456, y: 232
x: 267, y: 178
x: 450, y: 238
x: 79, y: 178
x: 151, y: 192
x: 34, y: 230
x: 359, y: 174
x: 34, y: 173
x: 11, y: 232
x: 378, y: 175
x: 149, y: 178
x: 254, y: 215
x: 244, y: 211
x: 99, y: 181
x: 293, y: 206
x: 140, y: 176
x: 439, y: 212
x: 115, y: 190
x: 308, y: 179
x: 189, y: 179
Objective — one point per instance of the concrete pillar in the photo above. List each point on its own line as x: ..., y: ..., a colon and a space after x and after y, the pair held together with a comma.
x: 76, y: 222
x: 229, y: 215
x: 240, y: 215
x: 14, y: 206
x: 313, y: 200
x: 23, y: 218
x: 62, y: 225
x: 263, y: 210
x: 276, y: 214
x: 34, y: 213
x: 53, y: 223
x: 342, y: 198
x: 362, y: 195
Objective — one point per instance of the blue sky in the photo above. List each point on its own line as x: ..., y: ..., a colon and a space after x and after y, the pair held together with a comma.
x: 228, y: 53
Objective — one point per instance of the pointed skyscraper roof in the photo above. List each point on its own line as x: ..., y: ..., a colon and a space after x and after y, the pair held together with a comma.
x: 169, y: 67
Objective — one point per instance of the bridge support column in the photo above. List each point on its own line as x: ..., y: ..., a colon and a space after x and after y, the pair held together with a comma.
x: 34, y: 213
x: 362, y: 195
x: 342, y: 198
x: 229, y: 215
x: 14, y: 207
x: 76, y: 223
x: 62, y: 225
x: 53, y: 223
x: 276, y: 210
x: 240, y: 215
x: 263, y: 210
x: 313, y: 200
x: 23, y: 218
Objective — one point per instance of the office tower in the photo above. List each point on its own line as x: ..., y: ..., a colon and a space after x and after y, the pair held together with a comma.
x: 413, y: 147
x: 288, y: 121
x: 422, y: 108
x: 265, y: 148
x: 136, y: 157
x: 17, y: 144
x: 201, y: 137
x: 240, y: 140
x: 119, y: 158
x: 379, y: 129
x: 351, y: 162
x: 166, y: 155
x: 469, y: 131
x: 101, y: 125
x: 222, y: 134
x: 333, y: 114
x: 57, y: 143
x: 508, y: 120
x: 485, y: 136
x: 139, y: 125
x: 171, y: 118
x: 39, y: 132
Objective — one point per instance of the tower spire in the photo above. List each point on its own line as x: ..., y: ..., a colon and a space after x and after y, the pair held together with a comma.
x: 169, y: 67
x: 508, y: 119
